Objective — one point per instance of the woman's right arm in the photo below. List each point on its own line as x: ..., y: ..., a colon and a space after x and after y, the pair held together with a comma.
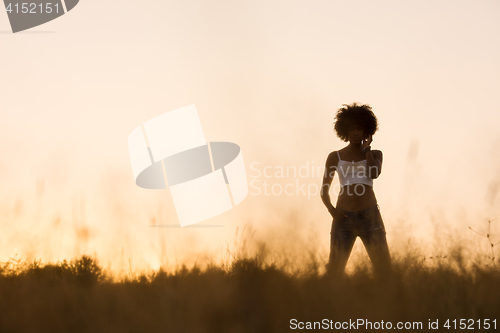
x: 330, y: 166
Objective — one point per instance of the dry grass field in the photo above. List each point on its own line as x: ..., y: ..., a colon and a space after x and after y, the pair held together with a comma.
x: 248, y: 295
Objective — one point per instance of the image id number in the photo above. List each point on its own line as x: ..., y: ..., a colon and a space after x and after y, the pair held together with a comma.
x: 32, y: 8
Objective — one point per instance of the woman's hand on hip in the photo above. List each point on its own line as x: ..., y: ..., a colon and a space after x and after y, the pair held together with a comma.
x: 337, y: 214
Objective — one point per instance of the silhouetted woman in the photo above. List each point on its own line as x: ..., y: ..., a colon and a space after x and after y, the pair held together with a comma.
x: 357, y: 212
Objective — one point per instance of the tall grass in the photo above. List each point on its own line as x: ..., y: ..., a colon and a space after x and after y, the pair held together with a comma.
x: 247, y: 294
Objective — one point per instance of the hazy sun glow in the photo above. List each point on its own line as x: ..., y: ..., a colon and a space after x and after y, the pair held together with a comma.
x: 269, y: 76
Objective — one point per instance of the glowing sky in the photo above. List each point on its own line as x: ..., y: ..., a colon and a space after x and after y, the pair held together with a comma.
x: 267, y: 75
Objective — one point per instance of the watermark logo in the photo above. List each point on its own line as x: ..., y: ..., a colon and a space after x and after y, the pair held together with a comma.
x: 26, y: 14
x: 288, y: 180
x: 204, y: 178
x: 306, y: 179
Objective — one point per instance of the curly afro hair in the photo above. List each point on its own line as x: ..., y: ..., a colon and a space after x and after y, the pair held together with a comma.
x: 354, y: 114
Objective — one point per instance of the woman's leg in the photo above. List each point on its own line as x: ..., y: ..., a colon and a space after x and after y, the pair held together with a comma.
x: 373, y: 235
x: 341, y: 242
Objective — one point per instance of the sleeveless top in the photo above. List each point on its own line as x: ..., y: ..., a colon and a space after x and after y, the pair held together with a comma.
x: 353, y: 172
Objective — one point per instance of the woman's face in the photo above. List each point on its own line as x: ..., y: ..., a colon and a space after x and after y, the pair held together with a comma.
x: 356, y: 133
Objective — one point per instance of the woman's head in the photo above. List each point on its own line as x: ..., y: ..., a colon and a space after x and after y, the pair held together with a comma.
x: 355, y: 120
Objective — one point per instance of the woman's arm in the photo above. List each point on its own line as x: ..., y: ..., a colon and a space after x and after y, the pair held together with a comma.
x: 374, y: 162
x: 327, y: 181
x: 373, y: 159
x: 330, y: 166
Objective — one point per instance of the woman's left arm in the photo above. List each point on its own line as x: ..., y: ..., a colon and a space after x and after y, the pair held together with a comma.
x: 373, y: 159
x: 374, y: 162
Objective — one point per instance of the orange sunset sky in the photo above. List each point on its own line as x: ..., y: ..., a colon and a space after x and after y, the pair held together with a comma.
x: 269, y: 76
